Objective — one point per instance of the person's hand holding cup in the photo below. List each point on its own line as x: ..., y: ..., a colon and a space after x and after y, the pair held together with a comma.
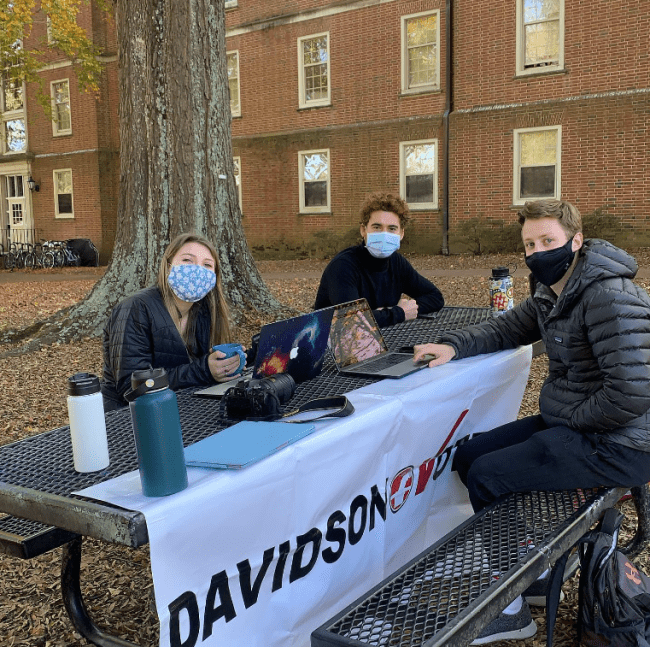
x: 226, y: 361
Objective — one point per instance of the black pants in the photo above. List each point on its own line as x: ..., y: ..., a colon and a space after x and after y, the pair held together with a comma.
x: 526, y: 455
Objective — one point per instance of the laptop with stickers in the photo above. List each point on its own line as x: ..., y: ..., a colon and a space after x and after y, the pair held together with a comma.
x: 296, y: 346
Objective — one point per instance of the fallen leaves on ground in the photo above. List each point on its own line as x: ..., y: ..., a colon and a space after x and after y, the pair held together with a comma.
x: 117, y: 581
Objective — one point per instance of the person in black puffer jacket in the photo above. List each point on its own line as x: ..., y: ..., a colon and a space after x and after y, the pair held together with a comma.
x: 594, y: 425
x: 172, y: 325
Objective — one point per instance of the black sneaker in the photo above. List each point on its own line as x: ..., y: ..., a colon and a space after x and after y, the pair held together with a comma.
x: 535, y: 594
x: 516, y: 626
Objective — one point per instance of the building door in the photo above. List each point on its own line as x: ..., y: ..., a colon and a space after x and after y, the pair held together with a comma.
x: 19, y: 224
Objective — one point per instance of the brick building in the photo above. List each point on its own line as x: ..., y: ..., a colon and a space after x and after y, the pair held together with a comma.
x: 334, y: 99
x: 72, y: 158
x: 465, y: 107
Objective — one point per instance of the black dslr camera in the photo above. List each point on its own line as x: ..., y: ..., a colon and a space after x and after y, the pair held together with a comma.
x: 259, y: 399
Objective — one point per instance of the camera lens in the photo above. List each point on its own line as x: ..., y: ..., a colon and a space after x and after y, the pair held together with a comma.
x: 282, y: 384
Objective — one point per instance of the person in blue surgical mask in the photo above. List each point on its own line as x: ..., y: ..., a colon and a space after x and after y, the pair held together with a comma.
x: 593, y: 428
x: 375, y: 270
x: 172, y: 325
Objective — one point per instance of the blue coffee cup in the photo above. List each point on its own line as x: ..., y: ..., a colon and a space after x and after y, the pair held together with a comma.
x: 230, y: 350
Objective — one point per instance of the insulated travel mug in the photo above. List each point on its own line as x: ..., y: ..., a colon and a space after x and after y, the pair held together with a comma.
x: 87, y: 424
x: 501, y: 292
x: 157, y: 431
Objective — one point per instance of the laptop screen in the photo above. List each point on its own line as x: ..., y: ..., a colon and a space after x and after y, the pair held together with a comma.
x: 354, y: 335
x: 295, y: 346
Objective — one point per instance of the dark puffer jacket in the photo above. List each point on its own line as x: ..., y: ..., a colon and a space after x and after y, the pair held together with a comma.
x: 140, y: 332
x: 597, y: 336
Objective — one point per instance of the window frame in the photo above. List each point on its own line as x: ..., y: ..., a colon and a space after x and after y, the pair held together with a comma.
x: 405, y: 59
x: 64, y: 216
x: 419, y: 206
x: 237, y: 166
x: 314, y: 103
x: 521, y: 69
x: 56, y: 131
x: 516, y: 177
x: 235, y: 113
x: 11, y: 115
x: 301, y: 182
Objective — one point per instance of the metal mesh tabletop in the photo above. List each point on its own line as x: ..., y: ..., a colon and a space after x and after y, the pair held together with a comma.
x: 44, y: 462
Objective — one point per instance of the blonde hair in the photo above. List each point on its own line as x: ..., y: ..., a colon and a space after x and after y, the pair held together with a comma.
x: 219, y: 313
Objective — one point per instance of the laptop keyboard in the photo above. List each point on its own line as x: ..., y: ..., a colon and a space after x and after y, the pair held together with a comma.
x: 384, y: 361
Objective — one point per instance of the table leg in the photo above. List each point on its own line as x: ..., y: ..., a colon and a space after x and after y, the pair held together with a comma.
x: 73, y: 599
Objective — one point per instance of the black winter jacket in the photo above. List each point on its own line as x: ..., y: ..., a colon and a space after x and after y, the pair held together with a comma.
x: 140, y: 332
x: 597, y: 336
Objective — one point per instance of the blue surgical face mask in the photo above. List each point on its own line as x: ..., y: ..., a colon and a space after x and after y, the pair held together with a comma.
x: 191, y: 282
x: 382, y: 244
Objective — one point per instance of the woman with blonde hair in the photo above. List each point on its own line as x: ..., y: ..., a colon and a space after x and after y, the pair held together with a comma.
x: 172, y: 325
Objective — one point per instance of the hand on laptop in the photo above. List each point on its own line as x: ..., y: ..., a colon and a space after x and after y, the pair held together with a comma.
x: 434, y: 354
x: 410, y: 308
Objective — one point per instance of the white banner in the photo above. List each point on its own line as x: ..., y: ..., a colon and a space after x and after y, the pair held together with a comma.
x: 265, y: 555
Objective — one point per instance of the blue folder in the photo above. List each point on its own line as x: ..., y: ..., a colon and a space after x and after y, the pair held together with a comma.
x: 244, y: 444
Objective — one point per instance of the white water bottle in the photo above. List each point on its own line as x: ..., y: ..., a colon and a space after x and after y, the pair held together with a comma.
x: 87, y: 423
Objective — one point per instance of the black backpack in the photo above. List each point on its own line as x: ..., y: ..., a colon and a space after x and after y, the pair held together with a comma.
x: 613, y: 595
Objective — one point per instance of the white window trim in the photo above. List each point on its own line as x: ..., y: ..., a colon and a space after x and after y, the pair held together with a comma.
x: 230, y: 4
x: 236, y: 113
x: 405, y: 60
x: 56, y: 131
x: 62, y: 216
x: 521, y: 70
x: 516, y: 184
x: 10, y: 115
x: 302, y: 102
x: 418, y: 206
x: 301, y: 182
x: 237, y: 159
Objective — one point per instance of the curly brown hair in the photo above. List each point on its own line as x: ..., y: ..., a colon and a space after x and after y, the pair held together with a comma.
x: 384, y: 202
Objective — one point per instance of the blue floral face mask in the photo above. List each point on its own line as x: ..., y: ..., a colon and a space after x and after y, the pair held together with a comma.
x: 382, y: 244
x: 191, y: 282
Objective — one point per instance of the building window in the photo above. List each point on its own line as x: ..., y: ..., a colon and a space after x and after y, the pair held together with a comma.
x: 61, y: 121
x: 418, y: 181
x: 420, y: 57
x: 540, y: 36
x: 237, y: 166
x: 233, y: 83
x: 63, y: 201
x: 314, y: 171
x: 314, y: 71
x: 537, y: 163
x: 15, y: 187
x: 12, y: 107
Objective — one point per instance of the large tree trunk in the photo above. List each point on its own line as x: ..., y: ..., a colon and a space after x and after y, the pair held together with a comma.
x: 176, y: 161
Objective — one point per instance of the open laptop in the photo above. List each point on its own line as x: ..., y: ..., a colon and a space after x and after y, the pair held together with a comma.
x: 359, y: 347
x: 296, y: 346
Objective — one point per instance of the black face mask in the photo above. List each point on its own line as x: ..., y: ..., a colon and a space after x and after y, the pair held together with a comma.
x: 550, y: 266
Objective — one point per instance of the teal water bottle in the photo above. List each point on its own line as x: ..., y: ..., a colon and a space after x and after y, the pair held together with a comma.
x: 157, y: 431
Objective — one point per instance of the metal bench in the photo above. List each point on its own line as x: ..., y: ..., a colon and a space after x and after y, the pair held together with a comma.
x: 448, y: 593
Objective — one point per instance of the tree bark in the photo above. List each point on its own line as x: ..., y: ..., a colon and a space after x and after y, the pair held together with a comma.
x: 176, y: 162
